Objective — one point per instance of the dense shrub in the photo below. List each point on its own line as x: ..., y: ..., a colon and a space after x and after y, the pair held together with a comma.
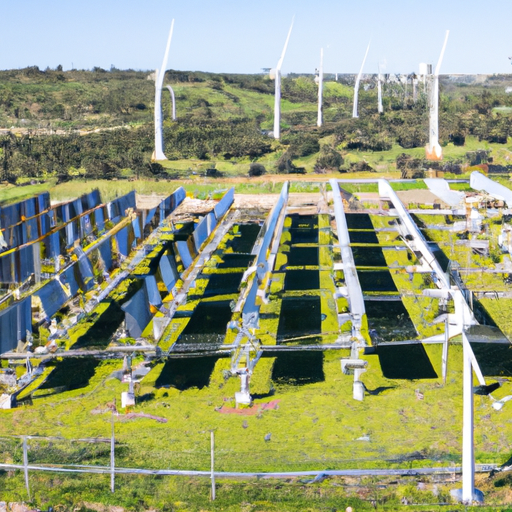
x: 328, y: 160
x: 361, y: 166
x: 256, y: 169
x: 411, y: 167
x: 302, y: 144
x: 285, y: 165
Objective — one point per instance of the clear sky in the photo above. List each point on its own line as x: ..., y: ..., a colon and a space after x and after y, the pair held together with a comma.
x: 244, y: 36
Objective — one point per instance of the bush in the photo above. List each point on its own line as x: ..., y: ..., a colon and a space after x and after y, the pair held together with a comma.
x: 285, y: 165
x: 256, y: 169
x: 302, y: 144
x: 410, y: 167
x: 412, y: 137
x: 328, y: 160
x: 372, y: 142
x: 453, y: 168
x: 481, y: 156
x: 361, y: 166
x: 458, y: 139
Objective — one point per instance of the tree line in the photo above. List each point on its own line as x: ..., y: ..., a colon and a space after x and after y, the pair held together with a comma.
x: 220, y: 116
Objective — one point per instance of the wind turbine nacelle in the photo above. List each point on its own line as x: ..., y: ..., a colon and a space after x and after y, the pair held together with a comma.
x: 272, y: 74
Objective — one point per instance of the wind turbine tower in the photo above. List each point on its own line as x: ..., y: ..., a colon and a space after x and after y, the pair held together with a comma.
x: 433, y: 149
x: 356, y: 87
x: 158, y: 154
x: 320, y: 80
x: 277, y: 76
x: 380, y: 108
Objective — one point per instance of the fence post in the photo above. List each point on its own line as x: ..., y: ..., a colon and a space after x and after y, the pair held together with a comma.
x: 212, y: 476
x: 112, y: 456
x: 25, y: 465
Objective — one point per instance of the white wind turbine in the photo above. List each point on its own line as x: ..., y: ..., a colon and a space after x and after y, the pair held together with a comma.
x: 277, y: 75
x: 380, y: 108
x: 358, y: 79
x: 320, y: 80
x: 433, y: 149
x: 158, y: 154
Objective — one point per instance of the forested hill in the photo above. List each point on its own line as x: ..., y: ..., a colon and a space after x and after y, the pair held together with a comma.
x: 46, y: 118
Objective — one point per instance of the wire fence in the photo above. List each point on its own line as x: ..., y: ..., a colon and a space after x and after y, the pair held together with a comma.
x: 114, y: 457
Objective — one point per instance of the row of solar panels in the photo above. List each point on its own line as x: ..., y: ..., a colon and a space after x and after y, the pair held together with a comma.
x: 31, y: 219
x: 79, y: 276
x: 74, y: 223
x: 16, y: 266
x: 137, y: 309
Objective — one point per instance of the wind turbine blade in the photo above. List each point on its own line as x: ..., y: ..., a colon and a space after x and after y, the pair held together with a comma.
x: 280, y: 63
x: 161, y: 73
x: 356, y: 86
x: 159, y: 81
x: 438, y: 67
x: 364, y: 60
x: 474, y: 362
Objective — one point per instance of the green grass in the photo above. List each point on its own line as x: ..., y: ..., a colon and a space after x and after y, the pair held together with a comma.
x: 315, y: 427
x: 11, y: 194
x: 192, y: 495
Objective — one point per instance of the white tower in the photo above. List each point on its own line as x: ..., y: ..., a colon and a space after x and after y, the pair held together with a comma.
x: 433, y: 149
x: 277, y: 100
x: 159, y: 81
x: 356, y: 87
x: 380, y: 108
x: 320, y: 78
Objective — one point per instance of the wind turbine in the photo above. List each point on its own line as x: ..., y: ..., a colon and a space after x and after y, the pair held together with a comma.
x: 277, y: 76
x: 433, y: 149
x: 320, y: 80
x: 358, y: 79
x: 158, y: 154
x: 380, y: 108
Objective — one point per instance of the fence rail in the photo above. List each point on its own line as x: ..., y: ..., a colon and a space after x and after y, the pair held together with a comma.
x: 112, y: 470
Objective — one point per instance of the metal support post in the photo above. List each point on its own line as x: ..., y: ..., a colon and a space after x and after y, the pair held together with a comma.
x: 468, y: 455
x: 468, y: 494
x: 25, y: 465
x: 112, y: 456
x: 445, y: 351
x: 212, y: 476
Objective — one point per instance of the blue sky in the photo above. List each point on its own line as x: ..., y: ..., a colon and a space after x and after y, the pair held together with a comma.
x: 243, y: 37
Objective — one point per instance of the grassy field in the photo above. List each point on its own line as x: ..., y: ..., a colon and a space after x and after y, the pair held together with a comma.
x: 316, y: 426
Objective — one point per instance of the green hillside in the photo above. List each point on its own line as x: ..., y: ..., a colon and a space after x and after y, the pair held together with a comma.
x: 99, y: 124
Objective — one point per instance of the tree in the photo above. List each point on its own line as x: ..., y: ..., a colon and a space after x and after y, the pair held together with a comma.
x: 328, y: 160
